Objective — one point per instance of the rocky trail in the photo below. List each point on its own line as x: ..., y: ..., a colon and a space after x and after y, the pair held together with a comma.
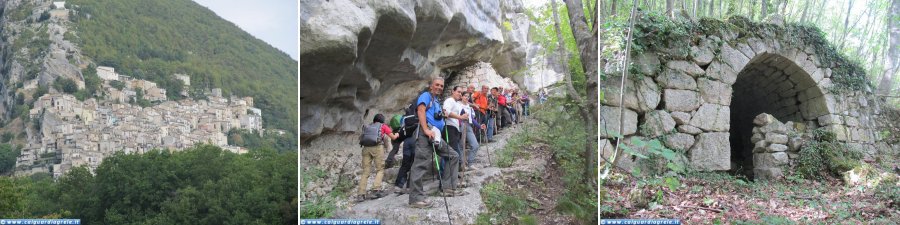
x: 394, y: 208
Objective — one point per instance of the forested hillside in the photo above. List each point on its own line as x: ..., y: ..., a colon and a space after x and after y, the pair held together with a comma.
x: 154, y: 39
x: 201, y: 185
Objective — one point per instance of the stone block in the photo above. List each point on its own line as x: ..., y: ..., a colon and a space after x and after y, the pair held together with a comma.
x: 763, y: 119
x: 679, y: 141
x: 756, y: 137
x: 733, y: 58
x: 681, y: 100
x: 715, y: 92
x: 770, y: 160
x: 794, y: 144
x: 776, y: 127
x: 758, y: 46
x: 829, y: 119
x: 712, y: 117
x: 702, y: 56
x: 776, y: 148
x: 711, y: 152
x: 776, y: 138
x: 722, y: 72
x: 687, y: 67
x: 851, y: 121
x: 610, y: 121
x: 840, y: 132
x: 689, y: 129
x: 759, y: 146
x: 647, y: 63
x: 657, y: 123
x: 681, y: 118
x: 767, y: 173
x: 674, y: 79
x: 746, y: 50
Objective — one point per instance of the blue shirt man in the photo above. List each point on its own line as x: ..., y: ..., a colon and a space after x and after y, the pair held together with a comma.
x: 426, y: 98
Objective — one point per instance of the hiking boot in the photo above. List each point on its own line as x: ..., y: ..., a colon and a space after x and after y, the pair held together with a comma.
x: 375, y: 194
x: 399, y: 190
x: 421, y: 205
x: 358, y: 198
x: 454, y: 193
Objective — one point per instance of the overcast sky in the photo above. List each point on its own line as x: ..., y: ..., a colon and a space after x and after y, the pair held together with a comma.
x: 273, y: 21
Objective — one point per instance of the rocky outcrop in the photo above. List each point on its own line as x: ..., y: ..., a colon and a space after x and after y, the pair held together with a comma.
x: 359, y: 58
x: 355, y: 53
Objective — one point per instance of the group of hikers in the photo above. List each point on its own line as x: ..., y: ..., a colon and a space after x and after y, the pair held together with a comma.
x: 432, y: 133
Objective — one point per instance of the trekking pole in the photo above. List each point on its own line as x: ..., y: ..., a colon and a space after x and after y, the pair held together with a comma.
x: 490, y: 161
x: 440, y: 181
x: 464, y: 136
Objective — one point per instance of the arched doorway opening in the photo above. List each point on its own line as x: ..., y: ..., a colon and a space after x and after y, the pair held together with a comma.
x: 773, y: 84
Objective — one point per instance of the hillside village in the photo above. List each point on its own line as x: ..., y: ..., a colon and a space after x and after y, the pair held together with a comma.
x: 70, y: 133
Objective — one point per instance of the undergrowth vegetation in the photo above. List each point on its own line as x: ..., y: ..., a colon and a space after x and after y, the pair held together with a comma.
x: 508, y: 205
x: 563, y: 132
x: 824, y: 156
x: 654, y: 32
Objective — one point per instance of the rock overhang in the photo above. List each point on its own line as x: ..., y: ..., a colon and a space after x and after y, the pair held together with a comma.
x: 355, y: 51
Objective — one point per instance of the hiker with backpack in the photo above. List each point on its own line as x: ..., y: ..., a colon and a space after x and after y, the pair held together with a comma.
x: 396, y: 125
x: 428, y: 143
x: 372, y: 139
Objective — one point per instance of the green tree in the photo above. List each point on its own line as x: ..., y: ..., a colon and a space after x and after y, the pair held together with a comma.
x: 8, y: 157
x: 65, y: 85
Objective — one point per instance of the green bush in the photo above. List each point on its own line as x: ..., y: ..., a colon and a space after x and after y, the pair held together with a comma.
x: 505, y: 206
x: 65, y: 85
x: 889, y: 192
x: 826, y: 156
x: 8, y: 157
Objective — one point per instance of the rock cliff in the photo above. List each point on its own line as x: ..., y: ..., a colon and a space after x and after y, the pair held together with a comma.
x: 356, y: 54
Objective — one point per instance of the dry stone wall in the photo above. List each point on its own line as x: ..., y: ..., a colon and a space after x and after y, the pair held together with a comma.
x: 701, y: 97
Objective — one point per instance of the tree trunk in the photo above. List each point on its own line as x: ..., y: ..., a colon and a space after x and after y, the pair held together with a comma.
x: 846, y: 23
x: 587, y: 45
x: 893, y: 56
x: 721, y: 8
x: 752, y: 10
x: 805, y: 7
x: 783, y: 7
x: 821, y: 9
x: 764, y: 10
x: 669, y: 5
x: 712, y: 5
x: 613, y: 11
x: 697, y: 8
x: 865, y: 36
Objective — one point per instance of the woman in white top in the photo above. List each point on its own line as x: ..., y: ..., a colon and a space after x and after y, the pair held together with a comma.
x: 470, y: 132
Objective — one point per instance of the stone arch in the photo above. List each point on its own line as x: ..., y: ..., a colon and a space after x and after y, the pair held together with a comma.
x: 703, y: 102
x: 774, y: 84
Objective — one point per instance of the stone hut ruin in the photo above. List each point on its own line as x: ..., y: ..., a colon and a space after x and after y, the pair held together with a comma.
x: 736, y: 95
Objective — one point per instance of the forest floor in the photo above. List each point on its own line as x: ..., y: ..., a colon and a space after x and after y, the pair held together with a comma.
x: 720, y: 198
